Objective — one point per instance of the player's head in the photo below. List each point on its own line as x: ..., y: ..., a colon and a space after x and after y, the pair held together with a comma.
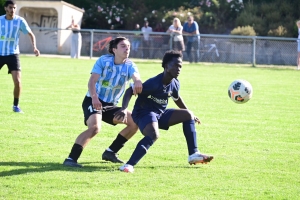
x: 169, y: 55
x: 172, y: 63
x: 10, y: 8
x: 119, y: 47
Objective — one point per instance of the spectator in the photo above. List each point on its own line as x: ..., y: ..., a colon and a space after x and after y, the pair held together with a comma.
x: 298, y: 58
x: 176, y: 35
x: 146, y: 29
x: 136, y: 40
x: 158, y: 40
x: 191, y: 29
x: 76, y: 40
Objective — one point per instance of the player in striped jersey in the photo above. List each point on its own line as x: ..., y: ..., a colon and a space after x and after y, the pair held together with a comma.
x: 106, y: 85
x: 10, y: 27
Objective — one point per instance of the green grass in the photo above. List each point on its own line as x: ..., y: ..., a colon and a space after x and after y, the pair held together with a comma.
x: 256, y: 145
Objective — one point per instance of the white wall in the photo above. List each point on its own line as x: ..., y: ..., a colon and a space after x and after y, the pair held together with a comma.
x: 48, y: 14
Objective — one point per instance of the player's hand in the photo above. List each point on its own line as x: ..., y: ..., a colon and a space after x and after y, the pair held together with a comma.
x: 121, y: 116
x: 97, y: 105
x: 138, y: 86
x: 197, y: 120
x: 36, y: 52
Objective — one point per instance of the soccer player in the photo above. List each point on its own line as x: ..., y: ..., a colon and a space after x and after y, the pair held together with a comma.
x: 10, y: 27
x: 106, y: 85
x: 150, y: 112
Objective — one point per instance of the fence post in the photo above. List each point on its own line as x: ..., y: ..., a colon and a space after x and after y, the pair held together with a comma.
x: 253, y: 51
x: 91, y: 43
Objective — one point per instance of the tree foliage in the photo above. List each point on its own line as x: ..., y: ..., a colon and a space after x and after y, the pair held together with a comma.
x: 267, y: 17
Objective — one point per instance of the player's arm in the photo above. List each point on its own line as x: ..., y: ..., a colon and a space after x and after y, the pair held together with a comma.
x: 33, y: 41
x: 121, y: 115
x: 92, y: 90
x: 138, y: 86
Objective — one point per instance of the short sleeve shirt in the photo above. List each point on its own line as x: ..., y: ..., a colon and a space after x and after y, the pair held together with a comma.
x: 10, y: 34
x: 155, y: 96
x: 113, y: 78
x: 194, y: 27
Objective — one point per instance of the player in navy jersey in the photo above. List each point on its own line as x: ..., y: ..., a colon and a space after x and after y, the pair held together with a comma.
x: 150, y: 112
x: 10, y: 27
x: 106, y: 85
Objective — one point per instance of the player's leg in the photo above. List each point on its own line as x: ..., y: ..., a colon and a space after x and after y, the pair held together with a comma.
x: 93, y: 120
x: 110, y: 154
x: 14, y: 69
x: 186, y: 117
x: 149, y: 126
x: 298, y: 60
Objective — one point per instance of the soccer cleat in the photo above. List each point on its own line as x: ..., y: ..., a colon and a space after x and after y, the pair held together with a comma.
x: 71, y: 163
x: 199, y: 158
x: 126, y: 168
x: 111, y: 156
x: 17, y: 109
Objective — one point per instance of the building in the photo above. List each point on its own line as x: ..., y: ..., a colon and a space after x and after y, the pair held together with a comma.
x: 50, y: 14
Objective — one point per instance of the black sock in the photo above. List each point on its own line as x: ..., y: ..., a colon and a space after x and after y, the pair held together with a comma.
x: 16, y: 101
x: 75, y: 152
x: 118, y: 143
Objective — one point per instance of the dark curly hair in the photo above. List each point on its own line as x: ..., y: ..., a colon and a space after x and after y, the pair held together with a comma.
x: 114, y: 43
x: 169, y: 55
x: 9, y: 2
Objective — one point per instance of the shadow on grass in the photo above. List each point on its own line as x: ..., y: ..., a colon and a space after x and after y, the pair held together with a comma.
x: 38, y: 167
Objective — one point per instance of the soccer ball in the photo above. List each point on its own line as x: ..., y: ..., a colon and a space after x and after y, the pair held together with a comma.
x: 240, y: 91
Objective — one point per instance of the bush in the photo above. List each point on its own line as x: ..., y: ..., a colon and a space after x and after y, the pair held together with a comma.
x: 280, y: 31
x: 243, y: 30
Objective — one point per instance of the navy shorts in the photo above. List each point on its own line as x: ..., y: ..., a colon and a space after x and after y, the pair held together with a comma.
x: 107, y: 112
x: 12, y: 62
x: 143, y: 119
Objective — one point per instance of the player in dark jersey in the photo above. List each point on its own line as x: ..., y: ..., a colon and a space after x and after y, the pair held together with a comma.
x: 150, y: 112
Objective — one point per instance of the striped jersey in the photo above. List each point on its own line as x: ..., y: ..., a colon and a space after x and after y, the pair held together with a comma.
x: 113, y: 78
x: 9, y: 34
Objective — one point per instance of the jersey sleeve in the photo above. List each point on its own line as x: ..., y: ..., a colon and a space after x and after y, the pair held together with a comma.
x: 24, y: 26
x: 133, y: 69
x: 175, y: 93
x: 149, y: 86
x: 98, y: 66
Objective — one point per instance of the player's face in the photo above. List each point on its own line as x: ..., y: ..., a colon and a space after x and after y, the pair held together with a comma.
x: 123, y: 49
x: 10, y: 10
x: 174, y: 67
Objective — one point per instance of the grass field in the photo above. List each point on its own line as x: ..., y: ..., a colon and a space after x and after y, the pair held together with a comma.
x: 256, y: 145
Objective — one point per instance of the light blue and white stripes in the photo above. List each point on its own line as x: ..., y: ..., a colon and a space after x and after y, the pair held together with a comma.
x: 113, y: 78
x: 10, y: 33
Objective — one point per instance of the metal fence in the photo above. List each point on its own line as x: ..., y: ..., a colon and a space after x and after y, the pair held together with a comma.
x: 213, y: 48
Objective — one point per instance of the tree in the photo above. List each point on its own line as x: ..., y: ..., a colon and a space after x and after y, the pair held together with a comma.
x: 2, y: 11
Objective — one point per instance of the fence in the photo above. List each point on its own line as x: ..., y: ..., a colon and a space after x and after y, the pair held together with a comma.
x: 213, y: 48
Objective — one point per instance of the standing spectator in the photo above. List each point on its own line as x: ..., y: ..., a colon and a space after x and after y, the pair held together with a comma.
x: 298, y: 57
x: 146, y: 30
x: 176, y: 35
x: 158, y: 40
x: 136, y: 40
x: 10, y: 27
x: 191, y: 29
x: 76, y: 42
x: 106, y: 85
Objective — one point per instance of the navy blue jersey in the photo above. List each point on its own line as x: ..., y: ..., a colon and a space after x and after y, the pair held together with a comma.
x: 154, y: 96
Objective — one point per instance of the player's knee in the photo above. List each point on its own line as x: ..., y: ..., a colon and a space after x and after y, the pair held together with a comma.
x: 189, y: 115
x: 153, y: 135
x: 94, y: 129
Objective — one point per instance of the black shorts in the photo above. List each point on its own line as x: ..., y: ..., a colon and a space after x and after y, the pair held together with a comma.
x: 107, y: 112
x: 12, y: 62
